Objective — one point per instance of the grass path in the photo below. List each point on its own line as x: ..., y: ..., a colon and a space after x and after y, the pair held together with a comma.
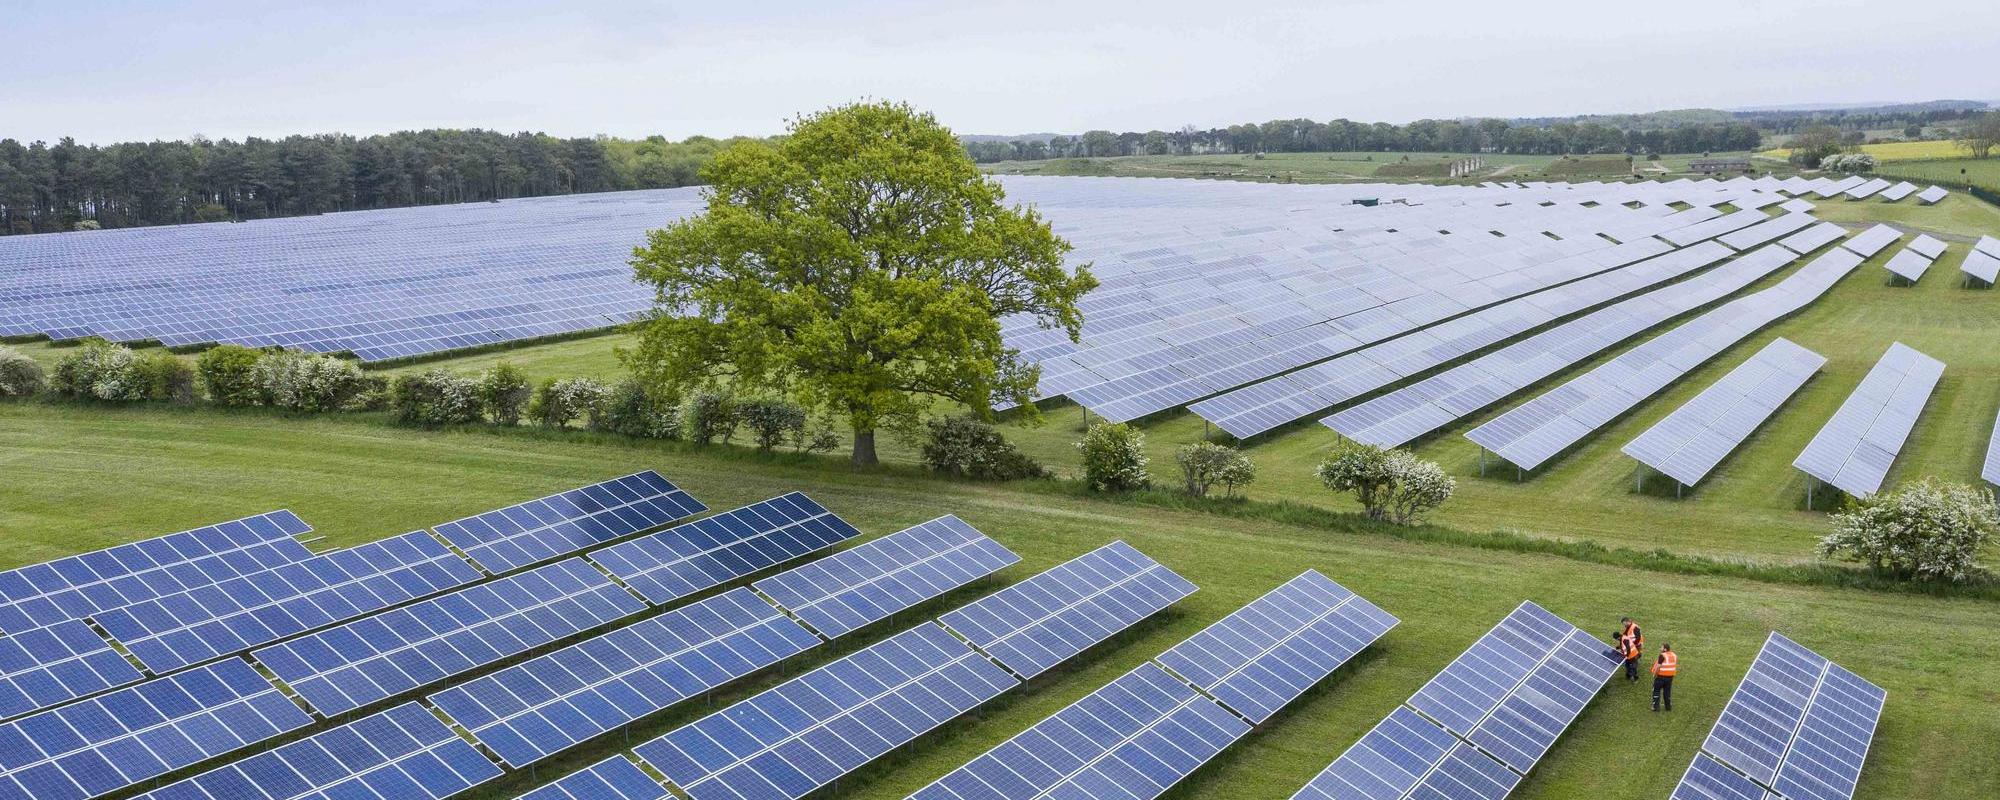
x: 81, y: 478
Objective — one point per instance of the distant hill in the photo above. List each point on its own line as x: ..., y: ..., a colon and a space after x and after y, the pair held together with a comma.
x: 1019, y: 137
x: 1872, y: 108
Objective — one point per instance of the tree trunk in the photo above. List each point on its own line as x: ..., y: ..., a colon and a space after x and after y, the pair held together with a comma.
x: 864, y: 448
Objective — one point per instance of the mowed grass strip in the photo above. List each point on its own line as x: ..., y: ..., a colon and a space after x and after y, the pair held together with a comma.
x: 81, y: 478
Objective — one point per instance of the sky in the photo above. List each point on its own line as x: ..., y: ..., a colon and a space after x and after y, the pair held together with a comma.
x: 114, y: 70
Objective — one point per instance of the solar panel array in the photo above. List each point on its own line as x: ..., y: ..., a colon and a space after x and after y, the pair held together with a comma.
x: 404, y: 753
x: 1813, y: 238
x: 1932, y: 195
x: 1798, y: 725
x: 566, y: 522
x: 1991, y: 471
x: 804, y: 733
x: 840, y: 593
x: 1407, y: 756
x: 113, y: 741
x: 56, y: 664
x: 1899, y: 191
x: 1982, y: 265
x: 1869, y: 242
x: 1687, y: 444
x: 614, y: 778
x: 1482, y: 722
x: 1856, y: 447
x: 1262, y: 657
x: 534, y: 709
x: 1134, y: 738
x: 1534, y: 432
x: 1708, y: 779
x: 1867, y: 189
x: 380, y: 656
x: 679, y: 561
x: 258, y: 608
x: 1395, y: 418
x: 1037, y: 623
x: 1145, y: 731
x: 78, y: 586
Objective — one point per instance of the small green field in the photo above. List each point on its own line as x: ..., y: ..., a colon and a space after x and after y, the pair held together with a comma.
x: 1589, y: 167
x: 1952, y: 174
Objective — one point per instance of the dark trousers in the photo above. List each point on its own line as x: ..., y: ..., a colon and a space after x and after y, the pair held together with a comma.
x: 1663, y: 691
x: 1631, y: 669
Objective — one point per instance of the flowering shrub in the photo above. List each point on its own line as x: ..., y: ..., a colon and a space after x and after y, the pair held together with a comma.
x: 100, y: 370
x: 1205, y: 464
x: 20, y: 376
x: 304, y: 382
x: 437, y: 397
x: 633, y: 411
x: 504, y: 391
x: 1928, y: 531
x: 228, y: 372
x: 966, y: 447
x: 560, y: 402
x: 1114, y: 458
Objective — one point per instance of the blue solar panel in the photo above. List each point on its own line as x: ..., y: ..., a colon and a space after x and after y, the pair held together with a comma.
x: 1132, y: 739
x: 56, y: 664
x: 806, y: 732
x: 1037, y: 623
x: 188, y: 628
x: 1269, y: 652
x: 81, y: 585
x: 534, y: 709
x: 614, y: 778
x: 403, y: 753
x: 1708, y: 779
x: 377, y: 657
x: 685, y: 559
x: 1407, y: 756
x: 847, y: 590
x: 1520, y: 686
x: 563, y: 523
x: 1798, y: 724
x: 116, y: 740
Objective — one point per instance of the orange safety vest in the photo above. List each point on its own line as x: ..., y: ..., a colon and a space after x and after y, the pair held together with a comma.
x: 1668, y: 665
x: 1632, y: 630
x: 1631, y: 647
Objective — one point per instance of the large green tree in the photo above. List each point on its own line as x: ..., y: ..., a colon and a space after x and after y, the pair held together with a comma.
x: 859, y: 266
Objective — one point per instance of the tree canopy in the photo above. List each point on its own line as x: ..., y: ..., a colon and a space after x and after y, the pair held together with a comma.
x: 859, y: 266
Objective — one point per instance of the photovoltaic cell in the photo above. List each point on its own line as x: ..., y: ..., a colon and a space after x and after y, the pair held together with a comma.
x: 116, y: 740
x: 566, y: 522
x: 1407, y: 756
x: 868, y: 583
x: 534, y: 709
x: 614, y: 778
x: 1798, y: 723
x: 403, y: 753
x: 1272, y: 650
x: 56, y: 664
x: 173, y: 631
x: 376, y: 657
x: 805, y: 733
x: 1687, y: 444
x: 1037, y: 623
x: 1132, y: 739
x: 688, y: 558
x: 1991, y: 472
x: 1859, y: 443
x: 81, y: 585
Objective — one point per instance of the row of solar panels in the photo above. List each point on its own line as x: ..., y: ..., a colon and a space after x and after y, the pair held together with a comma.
x: 1797, y: 728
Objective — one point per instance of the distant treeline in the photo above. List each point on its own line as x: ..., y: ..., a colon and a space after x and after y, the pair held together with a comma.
x: 56, y: 187
x: 1423, y: 136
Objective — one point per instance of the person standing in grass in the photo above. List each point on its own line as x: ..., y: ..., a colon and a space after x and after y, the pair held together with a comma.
x: 1629, y: 641
x: 1665, y: 667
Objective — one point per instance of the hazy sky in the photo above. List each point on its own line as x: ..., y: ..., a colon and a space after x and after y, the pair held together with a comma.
x: 132, y: 69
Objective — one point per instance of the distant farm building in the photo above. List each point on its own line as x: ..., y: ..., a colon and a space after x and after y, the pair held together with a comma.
x: 1717, y: 166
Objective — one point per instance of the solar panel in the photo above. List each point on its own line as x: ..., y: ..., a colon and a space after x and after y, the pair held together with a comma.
x: 380, y: 656
x: 1798, y: 724
x: 174, y: 631
x: 1909, y: 265
x: 865, y: 584
x: 116, y: 740
x: 1269, y: 652
x: 679, y: 561
x: 1519, y: 686
x: 614, y: 778
x: 1991, y: 472
x: 1687, y: 444
x: 1858, y: 444
x: 1899, y: 191
x: 1988, y: 245
x: 565, y: 522
x: 1132, y: 739
x: 1039, y: 622
x: 56, y: 664
x: 805, y: 733
x: 1927, y: 246
x: 1932, y: 195
x: 1813, y: 238
x: 534, y: 709
x: 1407, y: 756
x: 1982, y: 266
x: 1871, y: 241
x: 1709, y: 779
x: 404, y: 753
x: 81, y: 585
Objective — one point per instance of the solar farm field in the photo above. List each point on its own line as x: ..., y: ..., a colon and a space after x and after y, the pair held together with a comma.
x: 1984, y: 173
x: 366, y: 479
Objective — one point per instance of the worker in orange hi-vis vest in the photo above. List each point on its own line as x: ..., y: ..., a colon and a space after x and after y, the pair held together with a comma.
x: 1630, y: 643
x: 1664, y: 669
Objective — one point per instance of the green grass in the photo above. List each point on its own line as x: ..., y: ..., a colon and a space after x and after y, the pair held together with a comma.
x: 79, y: 478
x: 1589, y: 167
x: 1955, y: 173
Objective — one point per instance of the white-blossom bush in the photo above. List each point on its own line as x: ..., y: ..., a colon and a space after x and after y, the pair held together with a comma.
x: 561, y: 402
x: 1417, y: 487
x: 1114, y: 458
x: 1361, y: 470
x: 20, y: 376
x: 100, y: 370
x: 305, y: 382
x: 1205, y: 465
x: 1850, y: 163
x: 438, y: 397
x: 1390, y: 484
x: 1927, y: 531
